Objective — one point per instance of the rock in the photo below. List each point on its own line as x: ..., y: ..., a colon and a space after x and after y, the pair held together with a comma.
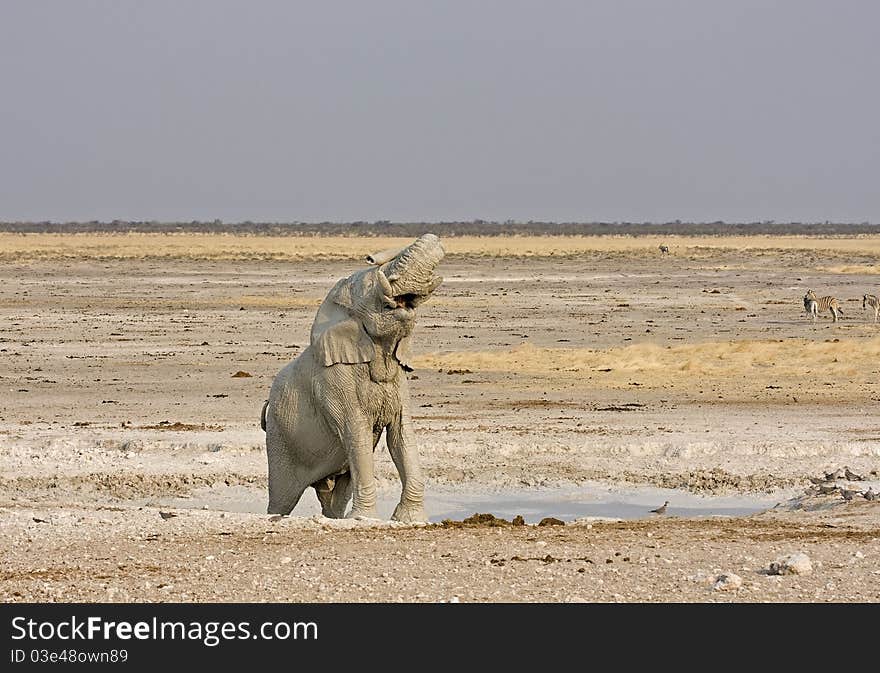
x: 241, y: 375
x: 727, y: 582
x: 701, y: 576
x: 793, y: 564
x: 551, y: 521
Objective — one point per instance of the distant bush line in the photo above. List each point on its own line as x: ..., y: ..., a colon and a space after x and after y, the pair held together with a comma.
x: 473, y: 228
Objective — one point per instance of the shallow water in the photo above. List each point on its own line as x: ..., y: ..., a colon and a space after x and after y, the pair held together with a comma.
x: 567, y: 504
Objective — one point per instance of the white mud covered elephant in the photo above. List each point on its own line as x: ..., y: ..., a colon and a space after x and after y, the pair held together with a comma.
x: 328, y: 408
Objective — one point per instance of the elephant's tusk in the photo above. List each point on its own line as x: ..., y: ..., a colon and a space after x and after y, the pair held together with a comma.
x: 384, y: 283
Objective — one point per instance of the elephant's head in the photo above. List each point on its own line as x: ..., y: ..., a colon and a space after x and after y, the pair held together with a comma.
x: 377, y: 306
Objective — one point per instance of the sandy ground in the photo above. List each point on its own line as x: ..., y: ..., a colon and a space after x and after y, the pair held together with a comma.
x: 542, y: 362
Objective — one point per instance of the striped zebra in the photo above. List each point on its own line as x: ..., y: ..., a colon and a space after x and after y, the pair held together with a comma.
x: 814, y: 304
x: 872, y: 301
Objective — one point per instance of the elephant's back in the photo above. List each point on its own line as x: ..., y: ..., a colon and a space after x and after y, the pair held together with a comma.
x: 293, y: 379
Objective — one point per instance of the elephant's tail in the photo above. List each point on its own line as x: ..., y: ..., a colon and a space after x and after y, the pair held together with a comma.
x: 263, y: 415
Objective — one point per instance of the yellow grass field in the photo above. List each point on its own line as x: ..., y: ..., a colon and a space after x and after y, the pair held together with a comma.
x: 657, y: 365
x: 245, y: 247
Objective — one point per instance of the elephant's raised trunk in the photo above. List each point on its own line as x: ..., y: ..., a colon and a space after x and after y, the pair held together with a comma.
x: 379, y: 258
x: 411, y: 272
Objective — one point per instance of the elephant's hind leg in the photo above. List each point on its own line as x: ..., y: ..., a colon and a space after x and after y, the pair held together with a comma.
x: 285, y: 487
x: 282, y: 499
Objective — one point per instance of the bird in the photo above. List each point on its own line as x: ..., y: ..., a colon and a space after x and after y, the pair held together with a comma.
x: 828, y: 490
x: 869, y: 494
x: 852, y: 476
x: 816, y: 480
x: 831, y: 476
x: 167, y: 515
x: 847, y: 494
x: 661, y: 509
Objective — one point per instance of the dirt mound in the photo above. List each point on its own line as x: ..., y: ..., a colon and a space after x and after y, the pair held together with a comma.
x: 125, y: 485
x: 717, y: 480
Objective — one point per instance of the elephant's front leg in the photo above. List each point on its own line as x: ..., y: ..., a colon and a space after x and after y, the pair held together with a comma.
x: 402, y: 448
x: 357, y: 435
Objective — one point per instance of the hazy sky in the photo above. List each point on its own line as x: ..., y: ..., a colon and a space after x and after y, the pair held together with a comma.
x: 623, y: 110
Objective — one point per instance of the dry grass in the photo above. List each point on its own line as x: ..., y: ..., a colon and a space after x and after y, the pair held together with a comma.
x: 232, y: 247
x: 654, y: 365
x: 852, y: 268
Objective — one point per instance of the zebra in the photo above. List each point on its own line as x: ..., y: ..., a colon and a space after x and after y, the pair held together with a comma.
x: 872, y: 301
x: 814, y: 304
x: 664, y: 249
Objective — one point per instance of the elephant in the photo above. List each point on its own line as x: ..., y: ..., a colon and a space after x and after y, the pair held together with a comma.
x: 328, y: 407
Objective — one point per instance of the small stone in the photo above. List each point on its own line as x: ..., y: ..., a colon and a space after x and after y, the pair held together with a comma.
x: 727, y: 582
x: 285, y: 560
x: 793, y: 564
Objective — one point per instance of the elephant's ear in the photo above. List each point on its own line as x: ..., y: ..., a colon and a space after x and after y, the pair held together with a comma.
x: 337, y: 337
x: 403, y: 353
